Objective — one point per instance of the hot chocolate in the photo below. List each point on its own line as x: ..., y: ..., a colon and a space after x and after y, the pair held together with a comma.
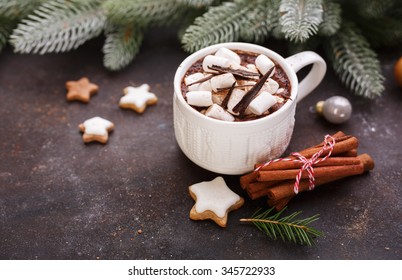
x: 233, y: 85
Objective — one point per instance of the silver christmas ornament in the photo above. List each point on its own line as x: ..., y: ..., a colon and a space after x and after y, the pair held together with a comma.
x: 336, y: 109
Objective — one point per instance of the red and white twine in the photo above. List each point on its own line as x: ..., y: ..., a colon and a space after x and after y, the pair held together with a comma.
x: 329, y: 143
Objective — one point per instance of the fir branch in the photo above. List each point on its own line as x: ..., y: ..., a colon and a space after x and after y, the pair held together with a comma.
x: 6, y: 27
x: 355, y: 62
x: 144, y: 13
x: 386, y: 31
x: 198, y: 3
x: 18, y: 9
x: 300, y: 18
x: 374, y: 8
x: 261, y: 20
x: 288, y: 228
x: 58, y: 26
x: 331, y: 18
x: 277, y: 32
x: 219, y: 24
x: 121, y: 46
x: 187, y: 20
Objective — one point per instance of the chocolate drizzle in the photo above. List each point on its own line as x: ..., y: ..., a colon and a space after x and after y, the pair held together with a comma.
x: 201, y: 80
x: 236, y: 72
x: 251, y: 94
x: 278, y: 75
x: 227, y: 97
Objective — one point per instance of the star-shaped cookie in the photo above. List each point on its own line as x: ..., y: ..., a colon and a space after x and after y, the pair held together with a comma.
x: 213, y: 200
x: 96, y: 129
x: 80, y: 90
x: 137, y: 98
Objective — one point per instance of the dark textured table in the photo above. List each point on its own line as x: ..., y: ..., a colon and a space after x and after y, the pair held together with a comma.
x: 62, y: 199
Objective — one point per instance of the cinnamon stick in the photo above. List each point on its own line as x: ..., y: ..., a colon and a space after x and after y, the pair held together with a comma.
x: 259, y: 189
x: 337, y: 135
x: 351, y: 153
x: 342, y: 146
x: 285, y: 189
x: 279, y: 205
x: 246, y: 179
x: 258, y: 186
x: 319, y: 172
x: 331, y: 161
x: 258, y: 194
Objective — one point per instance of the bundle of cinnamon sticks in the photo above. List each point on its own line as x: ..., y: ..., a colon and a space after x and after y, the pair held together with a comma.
x: 277, y: 179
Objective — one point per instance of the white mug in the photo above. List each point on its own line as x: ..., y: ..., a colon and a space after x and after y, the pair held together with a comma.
x: 233, y: 148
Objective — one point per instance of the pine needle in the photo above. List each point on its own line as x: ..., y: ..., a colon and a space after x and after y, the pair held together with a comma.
x: 197, y: 3
x: 261, y: 20
x: 18, y: 9
x: 300, y: 18
x: 374, y: 8
x: 219, y: 24
x: 382, y: 32
x: 121, y: 46
x: 355, y: 62
x: 288, y: 228
x: 58, y: 26
x: 144, y: 13
x: 331, y: 18
x: 6, y: 28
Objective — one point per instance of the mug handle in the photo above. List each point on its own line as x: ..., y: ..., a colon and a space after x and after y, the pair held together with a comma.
x: 314, y: 77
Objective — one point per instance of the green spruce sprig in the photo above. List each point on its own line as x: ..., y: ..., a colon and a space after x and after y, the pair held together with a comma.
x: 382, y: 32
x: 144, y: 13
x: 355, y: 62
x: 18, y: 9
x: 288, y: 228
x: 121, y: 46
x: 219, y: 24
x: 300, y: 18
x: 262, y: 18
x: 331, y: 18
x: 42, y: 26
x: 198, y: 3
x: 6, y: 27
x: 58, y: 26
x: 374, y: 8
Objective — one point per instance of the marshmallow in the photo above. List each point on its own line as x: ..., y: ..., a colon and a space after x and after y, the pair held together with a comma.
x: 280, y: 91
x: 262, y: 103
x: 279, y: 99
x: 199, y: 86
x: 237, y: 66
x: 217, y: 112
x: 218, y: 98
x: 246, y: 85
x: 211, y: 60
x: 252, y: 68
x: 205, y: 86
x: 235, y: 97
x: 233, y: 57
x: 193, y: 78
x: 263, y: 64
x: 222, y: 81
x: 200, y: 98
x: 273, y: 86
